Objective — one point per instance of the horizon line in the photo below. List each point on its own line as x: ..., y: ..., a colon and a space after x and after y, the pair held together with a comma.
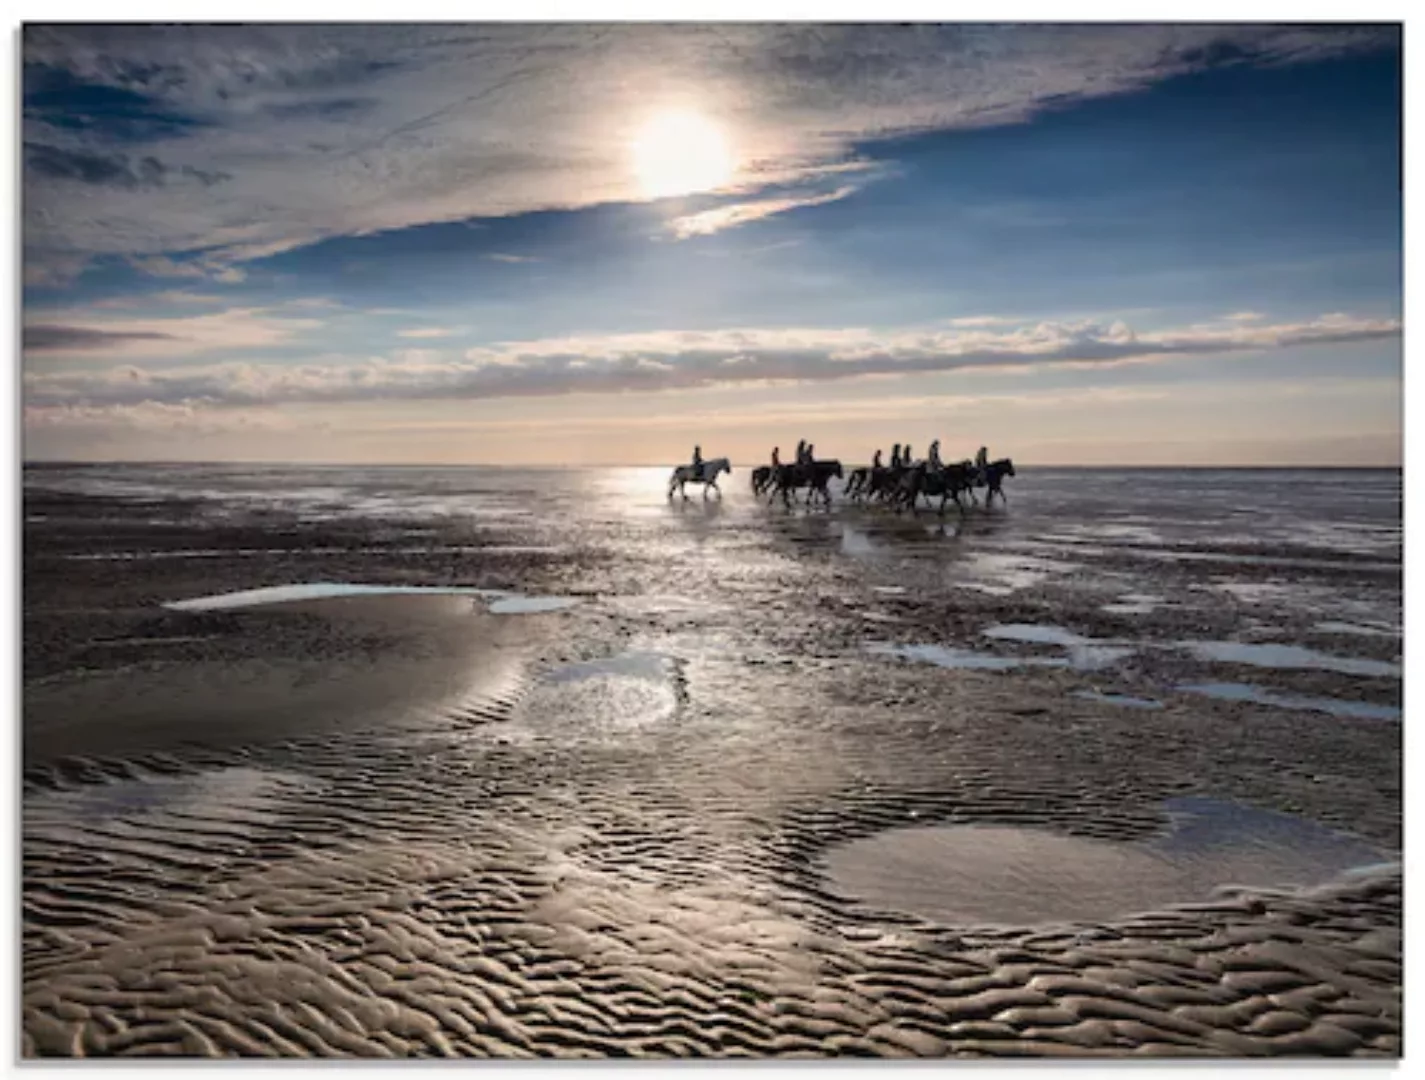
x: 62, y: 462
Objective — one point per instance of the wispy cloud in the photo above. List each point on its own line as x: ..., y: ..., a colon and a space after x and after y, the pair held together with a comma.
x: 678, y: 360
x: 428, y: 332
x: 238, y: 141
x: 44, y: 338
x: 499, y: 256
x: 208, y: 268
x: 728, y: 217
x: 233, y: 329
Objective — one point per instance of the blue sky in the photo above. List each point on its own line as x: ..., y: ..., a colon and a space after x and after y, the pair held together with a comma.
x: 1077, y: 244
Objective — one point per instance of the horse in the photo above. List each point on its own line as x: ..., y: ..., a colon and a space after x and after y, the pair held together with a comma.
x: 883, y: 482
x: 858, y: 479
x: 706, y: 475
x: 995, y: 472
x: 761, y: 477
x: 814, y: 475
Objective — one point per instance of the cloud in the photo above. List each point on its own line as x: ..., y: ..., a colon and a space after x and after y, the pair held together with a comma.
x: 70, y: 338
x: 115, y: 170
x: 427, y: 332
x: 189, y: 416
x: 53, y: 268
x: 207, y: 267
x: 231, y: 329
x: 729, y: 217
x: 497, y: 256
x: 240, y: 140
x: 677, y: 361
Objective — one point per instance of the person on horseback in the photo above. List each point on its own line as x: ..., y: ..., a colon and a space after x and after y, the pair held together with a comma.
x: 932, y: 459
x: 698, y: 462
x: 896, y: 456
x: 906, y: 459
x: 801, y: 452
x: 811, y: 457
x: 876, y: 461
x: 776, y: 457
x: 982, y: 464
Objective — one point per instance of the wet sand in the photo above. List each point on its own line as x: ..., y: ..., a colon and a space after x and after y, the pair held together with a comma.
x: 407, y: 825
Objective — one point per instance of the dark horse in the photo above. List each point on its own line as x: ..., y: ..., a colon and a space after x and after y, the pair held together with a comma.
x: 858, y: 479
x: 922, y: 481
x: 995, y: 472
x: 814, y: 476
x: 761, y: 478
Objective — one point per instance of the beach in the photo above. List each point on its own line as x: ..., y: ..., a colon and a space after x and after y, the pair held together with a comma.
x: 1113, y: 769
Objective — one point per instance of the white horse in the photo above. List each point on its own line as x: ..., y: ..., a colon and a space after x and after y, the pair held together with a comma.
x: 707, y: 476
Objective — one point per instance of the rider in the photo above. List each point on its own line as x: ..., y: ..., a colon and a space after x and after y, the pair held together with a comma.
x: 982, y: 464
x: 811, y: 457
x: 896, y: 456
x: 776, y: 457
x: 906, y: 459
x: 801, y: 451
x: 932, y: 459
x: 697, y: 461
x: 876, y: 461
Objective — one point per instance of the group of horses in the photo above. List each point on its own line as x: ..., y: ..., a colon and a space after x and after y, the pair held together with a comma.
x: 900, y: 487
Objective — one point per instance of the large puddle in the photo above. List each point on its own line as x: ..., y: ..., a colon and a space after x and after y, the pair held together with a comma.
x: 974, y: 875
x: 499, y: 601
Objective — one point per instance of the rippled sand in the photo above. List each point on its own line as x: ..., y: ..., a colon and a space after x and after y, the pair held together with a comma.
x: 409, y: 825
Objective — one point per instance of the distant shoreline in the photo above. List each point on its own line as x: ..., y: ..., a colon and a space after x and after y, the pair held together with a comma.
x: 38, y: 465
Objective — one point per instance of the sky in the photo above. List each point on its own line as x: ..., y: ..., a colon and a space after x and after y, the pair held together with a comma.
x: 601, y: 244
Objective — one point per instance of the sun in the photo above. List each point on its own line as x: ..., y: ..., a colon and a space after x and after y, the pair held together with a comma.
x: 680, y: 151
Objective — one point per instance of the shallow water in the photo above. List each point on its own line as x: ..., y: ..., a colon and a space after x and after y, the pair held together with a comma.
x: 1082, y: 653
x: 1287, y: 657
x: 988, y: 874
x: 500, y: 602
x: 1258, y: 696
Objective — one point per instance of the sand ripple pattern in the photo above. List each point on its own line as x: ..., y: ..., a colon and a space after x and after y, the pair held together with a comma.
x: 497, y: 881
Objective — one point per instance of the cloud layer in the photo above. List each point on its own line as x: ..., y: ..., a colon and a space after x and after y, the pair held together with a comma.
x: 668, y: 361
x: 240, y: 141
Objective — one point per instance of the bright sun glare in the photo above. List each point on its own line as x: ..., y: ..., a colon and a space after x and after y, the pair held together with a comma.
x: 680, y: 151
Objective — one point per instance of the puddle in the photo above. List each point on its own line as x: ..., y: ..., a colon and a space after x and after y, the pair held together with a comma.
x: 947, y: 657
x: 1134, y: 604
x: 637, y: 665
x: 1287, y: 657
x: 1001, y: 575
x: 592, y: 697
x: 1362, y: 710
x: 971, y: 875
x: 856, y: 542
x: 1356, y: 628
x: 1125, y: 700
x: 512, y: 604
x: 1085, y: 654
x: 502, y: 602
